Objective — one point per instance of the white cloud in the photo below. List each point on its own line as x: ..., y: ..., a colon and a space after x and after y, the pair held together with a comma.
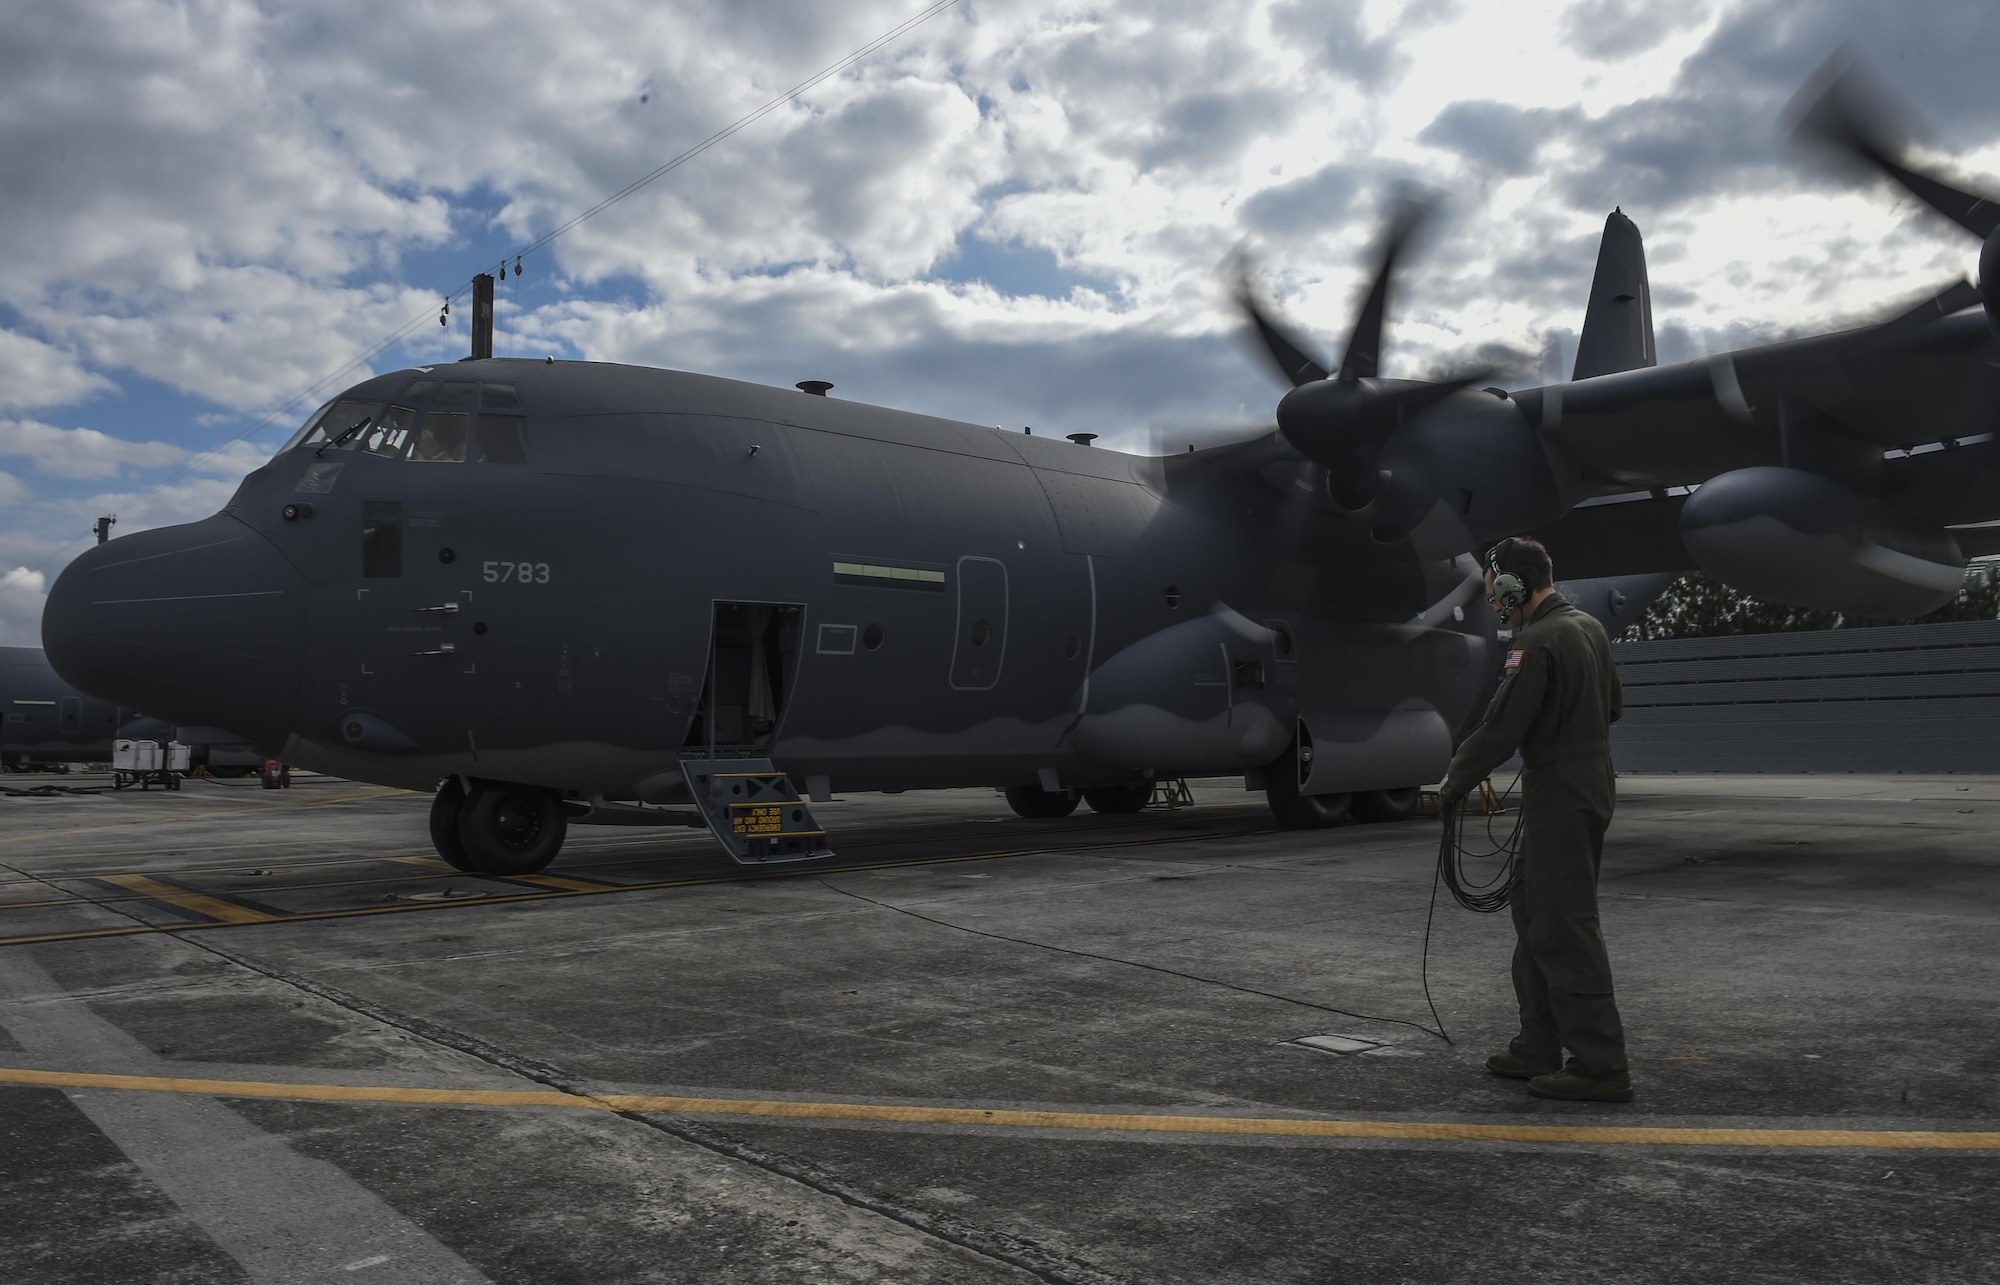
x: 81, y: 452
x: 33, y: 373
x: 12, y: 490
x: 22, y: 593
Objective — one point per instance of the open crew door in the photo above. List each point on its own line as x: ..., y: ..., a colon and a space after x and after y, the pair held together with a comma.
x: 752, y: 808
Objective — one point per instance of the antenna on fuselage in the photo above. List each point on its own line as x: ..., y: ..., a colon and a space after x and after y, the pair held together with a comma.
x: 482, y: 316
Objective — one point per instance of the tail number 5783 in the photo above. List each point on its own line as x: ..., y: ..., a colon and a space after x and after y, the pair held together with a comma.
x: 517, y: 573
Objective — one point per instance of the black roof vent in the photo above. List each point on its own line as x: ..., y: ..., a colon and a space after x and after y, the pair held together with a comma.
x: 817, y: 387
x: 1083, y: 439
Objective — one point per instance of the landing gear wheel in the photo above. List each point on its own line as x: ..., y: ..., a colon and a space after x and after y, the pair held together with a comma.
x: 511, y: 829
x: 446, y: 805
x: 1036, y: 803
x: 1297, y: 811
x: 1119, y: 800
x: 1374, y: 806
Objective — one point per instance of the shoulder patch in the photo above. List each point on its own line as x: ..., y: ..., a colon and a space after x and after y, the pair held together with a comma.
x: 1514, y: 660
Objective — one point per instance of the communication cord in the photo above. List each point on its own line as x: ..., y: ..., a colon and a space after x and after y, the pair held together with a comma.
x: 1132, y: 963
x: 1481, y: 897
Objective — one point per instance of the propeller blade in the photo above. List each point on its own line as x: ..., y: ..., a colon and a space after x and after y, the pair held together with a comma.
x: 1362, y: 358
x: 1285, y: 350
x: 1860, y: 117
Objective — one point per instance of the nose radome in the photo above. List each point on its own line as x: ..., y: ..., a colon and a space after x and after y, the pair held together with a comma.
x: 197, y: 624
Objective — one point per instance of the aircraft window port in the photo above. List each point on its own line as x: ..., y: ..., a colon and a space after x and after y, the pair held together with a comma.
x: 499, y: 397
x: 981, y: 631
x: 503, y: 439
x: 319, y: 477
x: 873, y: 637
x: 1174, y: 596
x: 1072, y: 647
x: 1249, y: 675
x: 381, y: 539
x: 391, y: 433
x: 457, y: 393
x: 447, y: 556
x: 442, y: 438
x: 479, y: 627
x: 420, y: 391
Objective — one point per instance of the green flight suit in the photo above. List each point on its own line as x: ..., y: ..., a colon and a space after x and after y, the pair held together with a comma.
x: 1556, y: 704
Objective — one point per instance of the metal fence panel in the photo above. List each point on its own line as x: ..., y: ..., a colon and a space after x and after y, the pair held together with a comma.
x: 1900, y: 698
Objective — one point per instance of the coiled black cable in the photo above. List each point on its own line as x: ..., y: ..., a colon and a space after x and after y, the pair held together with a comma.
x: 1484, y: 898
x: 1483, y: 892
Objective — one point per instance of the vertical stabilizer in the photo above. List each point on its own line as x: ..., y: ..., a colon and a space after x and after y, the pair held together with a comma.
x: 1618, y: 325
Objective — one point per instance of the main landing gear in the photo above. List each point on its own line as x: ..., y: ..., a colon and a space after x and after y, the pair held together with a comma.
x: 1105, y: 800
x: 498, y: 828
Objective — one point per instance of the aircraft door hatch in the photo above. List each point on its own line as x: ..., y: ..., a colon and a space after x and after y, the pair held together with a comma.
x: 980, y: 644
x: 753, y: 660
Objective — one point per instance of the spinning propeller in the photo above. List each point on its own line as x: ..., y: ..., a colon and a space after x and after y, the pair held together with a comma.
x: 1854, y: 114
x: 1343, y: 420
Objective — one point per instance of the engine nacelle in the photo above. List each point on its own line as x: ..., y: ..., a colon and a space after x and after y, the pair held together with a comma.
x: 1799, y: 538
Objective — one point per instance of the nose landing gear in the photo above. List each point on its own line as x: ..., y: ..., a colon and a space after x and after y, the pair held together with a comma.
x: 499, y: 828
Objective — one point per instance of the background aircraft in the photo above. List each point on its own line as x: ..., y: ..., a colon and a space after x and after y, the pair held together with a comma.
x: 567, y: 588
x: 44, y: 721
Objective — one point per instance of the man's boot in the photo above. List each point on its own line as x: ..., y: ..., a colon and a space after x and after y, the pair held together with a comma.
x: 1573, y: 1085
x: 1515, y: 1067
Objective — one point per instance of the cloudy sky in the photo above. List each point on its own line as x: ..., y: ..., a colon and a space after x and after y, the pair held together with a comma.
x: 1014, y: 214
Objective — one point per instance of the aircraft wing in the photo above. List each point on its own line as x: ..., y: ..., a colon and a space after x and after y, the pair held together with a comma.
x: 1909, y: 382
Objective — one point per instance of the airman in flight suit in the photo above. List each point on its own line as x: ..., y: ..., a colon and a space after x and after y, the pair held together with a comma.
x: 1557, y: 700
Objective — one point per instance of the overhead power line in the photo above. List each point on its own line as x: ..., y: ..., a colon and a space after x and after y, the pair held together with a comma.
x: 289, y: 406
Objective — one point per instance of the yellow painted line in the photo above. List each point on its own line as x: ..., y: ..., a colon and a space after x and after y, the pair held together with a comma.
x: 746, y: 875
x: 567, y: 885
x: 227, y: 912
x: 1099, y: 1121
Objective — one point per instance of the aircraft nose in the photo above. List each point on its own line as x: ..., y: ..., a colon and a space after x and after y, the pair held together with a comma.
x: 202, y: 624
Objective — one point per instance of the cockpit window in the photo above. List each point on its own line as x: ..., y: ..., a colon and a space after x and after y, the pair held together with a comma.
x: 419, y: 391
x: 441, y: 440
x: 391, y: 433
x: 343, y: 423
x: 456, y: 393
x: 312, y: 422
x: 503, y: 439
x: 499, y: 397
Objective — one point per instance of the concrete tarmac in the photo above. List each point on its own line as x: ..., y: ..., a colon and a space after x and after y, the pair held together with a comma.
x: 253, y: 1035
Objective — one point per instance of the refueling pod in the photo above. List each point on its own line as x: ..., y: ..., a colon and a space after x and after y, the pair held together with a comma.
x: 1800, y: 538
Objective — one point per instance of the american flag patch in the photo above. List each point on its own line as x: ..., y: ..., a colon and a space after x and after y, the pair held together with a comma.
x: 1513, y: 660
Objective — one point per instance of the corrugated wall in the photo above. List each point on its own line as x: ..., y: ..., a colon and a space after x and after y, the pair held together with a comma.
x: 1907, y: 698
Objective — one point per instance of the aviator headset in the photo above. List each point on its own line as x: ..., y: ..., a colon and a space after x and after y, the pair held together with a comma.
x: 1509, y: 590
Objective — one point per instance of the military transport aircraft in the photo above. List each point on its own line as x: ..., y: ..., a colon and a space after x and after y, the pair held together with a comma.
x: 570, y: 590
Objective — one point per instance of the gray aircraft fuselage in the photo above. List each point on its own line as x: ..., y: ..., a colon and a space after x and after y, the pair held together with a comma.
x: 932, y: 603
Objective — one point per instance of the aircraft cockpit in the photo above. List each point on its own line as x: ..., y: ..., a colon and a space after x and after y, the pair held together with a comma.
x: 431, y: 421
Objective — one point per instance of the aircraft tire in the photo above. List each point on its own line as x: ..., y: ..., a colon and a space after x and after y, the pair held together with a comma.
x: 1034, y: 802
x: 509, y: 829
x: 446, y: 805
x: 1119, y: 800
x: 1373, y: 807
x: 1296, y: 811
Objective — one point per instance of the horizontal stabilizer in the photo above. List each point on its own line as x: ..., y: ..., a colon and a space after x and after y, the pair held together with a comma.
x: 1618, y: 324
